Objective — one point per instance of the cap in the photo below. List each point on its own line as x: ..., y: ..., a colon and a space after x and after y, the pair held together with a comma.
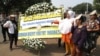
x: 93, y: 12
x: 12, y: 15
x: 79, y: 16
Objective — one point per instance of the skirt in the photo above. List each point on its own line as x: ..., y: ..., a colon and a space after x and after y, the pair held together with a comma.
x: 67, y: 37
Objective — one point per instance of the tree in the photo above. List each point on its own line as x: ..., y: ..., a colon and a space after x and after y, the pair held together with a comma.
x: 18, y: 5
x: 5, y: 5
x: 81, y: 8
x: 97, y: 5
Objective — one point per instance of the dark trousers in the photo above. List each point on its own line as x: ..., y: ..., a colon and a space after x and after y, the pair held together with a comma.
x: 13, y: 38
x: 92, y: 41
x: 59, y: 43
x: 4, y: 31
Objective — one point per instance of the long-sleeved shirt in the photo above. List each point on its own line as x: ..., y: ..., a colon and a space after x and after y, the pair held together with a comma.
x: 11, y: 27
x: 65, y: 25
x: 79, y: 36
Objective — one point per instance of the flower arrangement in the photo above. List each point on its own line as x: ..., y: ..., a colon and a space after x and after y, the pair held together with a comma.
x: 40, y: 8
x: 36, y: 44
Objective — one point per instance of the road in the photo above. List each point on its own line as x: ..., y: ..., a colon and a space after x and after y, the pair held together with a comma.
x: 51, y: 49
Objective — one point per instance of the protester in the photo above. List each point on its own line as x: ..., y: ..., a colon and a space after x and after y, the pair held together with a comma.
x: 79, y: 35
x: 4, y: 30
x: 92, y: 28
x: 72, y: 15
x: 65, y: 29
x: 59, y: 40
x: 12, y: 29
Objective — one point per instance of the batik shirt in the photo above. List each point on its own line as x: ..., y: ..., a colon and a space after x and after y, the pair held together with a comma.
x: 92, y: 24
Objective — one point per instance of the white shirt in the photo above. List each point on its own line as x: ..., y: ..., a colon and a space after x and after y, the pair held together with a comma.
x: 10, y: 27
x: 65, y: 25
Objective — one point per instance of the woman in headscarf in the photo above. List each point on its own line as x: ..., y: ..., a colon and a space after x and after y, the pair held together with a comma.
x: 79, y: 35
x: 65, y: 29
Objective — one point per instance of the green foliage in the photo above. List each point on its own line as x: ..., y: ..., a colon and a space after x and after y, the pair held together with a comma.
x: 18, y: 5
x: 81, y: 8
x: 97, y: 5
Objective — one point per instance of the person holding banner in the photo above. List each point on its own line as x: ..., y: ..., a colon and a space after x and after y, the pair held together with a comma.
x: 12, y: 29
x: 65, y: 29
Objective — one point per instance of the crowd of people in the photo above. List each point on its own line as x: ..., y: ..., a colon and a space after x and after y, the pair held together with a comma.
x: 79, y: 33
x: 9, y: 26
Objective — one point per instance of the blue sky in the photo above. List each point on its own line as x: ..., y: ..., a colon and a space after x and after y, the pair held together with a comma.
x: 69, y: 3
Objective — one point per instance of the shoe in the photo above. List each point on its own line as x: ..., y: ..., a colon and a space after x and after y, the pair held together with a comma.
x: 66, y: 54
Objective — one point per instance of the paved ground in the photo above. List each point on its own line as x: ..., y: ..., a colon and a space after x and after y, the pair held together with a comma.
x: 50, y: 50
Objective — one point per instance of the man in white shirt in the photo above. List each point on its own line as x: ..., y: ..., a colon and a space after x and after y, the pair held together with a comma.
x: 12, y: 29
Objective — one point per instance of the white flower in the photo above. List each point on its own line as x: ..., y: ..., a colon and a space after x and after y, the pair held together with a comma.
x: 45, y: 42
x: 36, y: 44
x: 31, y: 46
x: 41, y: 45
x: 39, y: 8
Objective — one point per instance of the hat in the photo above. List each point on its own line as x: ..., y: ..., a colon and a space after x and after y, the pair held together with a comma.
x: 79, y: 16
x: 12, y: 15
x: 93, y: 12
